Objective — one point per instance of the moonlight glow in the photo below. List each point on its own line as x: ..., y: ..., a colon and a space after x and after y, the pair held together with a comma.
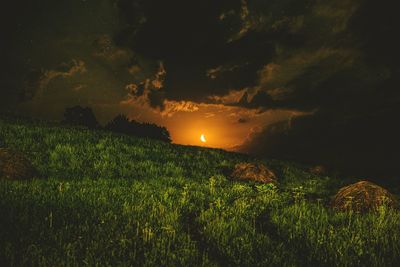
x: 203, y: 138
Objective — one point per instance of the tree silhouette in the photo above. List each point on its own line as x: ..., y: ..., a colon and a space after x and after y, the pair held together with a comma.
x: 80, y: 116
x: 121, y: 124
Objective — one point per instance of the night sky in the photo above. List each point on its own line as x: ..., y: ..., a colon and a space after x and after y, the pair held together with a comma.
x: 312, y: 81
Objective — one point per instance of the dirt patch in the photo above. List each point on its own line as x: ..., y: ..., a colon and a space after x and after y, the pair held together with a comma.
x: 253, y: 172
x: 15, y: 166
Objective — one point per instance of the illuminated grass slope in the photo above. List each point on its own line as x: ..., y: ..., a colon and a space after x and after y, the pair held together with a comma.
x: 112, y: 200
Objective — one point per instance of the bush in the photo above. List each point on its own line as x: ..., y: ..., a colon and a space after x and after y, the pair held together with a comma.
x: 80, y: 116
x: 121, y: 124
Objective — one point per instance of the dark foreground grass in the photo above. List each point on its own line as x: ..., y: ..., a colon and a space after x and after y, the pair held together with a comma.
x: 112, y: 200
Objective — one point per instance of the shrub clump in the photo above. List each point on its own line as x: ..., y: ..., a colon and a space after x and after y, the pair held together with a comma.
x: 15, y: 166
x: 80, y: 116
x: 122, y: 124
x: 362, y: 196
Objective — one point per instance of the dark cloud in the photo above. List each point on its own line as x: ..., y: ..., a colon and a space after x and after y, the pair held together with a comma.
x: 361, y: 145
x: 350, y: 80
x: 193, y: 42
x: 156, y: 99
x: 374, y: 27
x: 355, y: 127
x: 31, y: 85
x: 243, y: 120
x: 46, y: 44
x: 260, y: 99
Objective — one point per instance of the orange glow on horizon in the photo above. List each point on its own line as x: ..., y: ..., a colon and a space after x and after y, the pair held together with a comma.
x: 224, y: 127
x: 220, y: 131
x: 203, y: 133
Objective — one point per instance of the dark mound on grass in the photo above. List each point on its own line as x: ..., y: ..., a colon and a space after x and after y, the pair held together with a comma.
x: 363, y: 196
x: 253, y: 172
x: 317, y: 170
x: 15, y: 166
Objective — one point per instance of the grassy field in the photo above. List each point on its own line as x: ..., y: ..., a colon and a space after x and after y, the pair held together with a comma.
x: 110, y: 200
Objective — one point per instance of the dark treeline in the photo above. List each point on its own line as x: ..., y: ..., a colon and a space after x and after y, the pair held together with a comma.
x: 84, y: 116
x: 121, y: 124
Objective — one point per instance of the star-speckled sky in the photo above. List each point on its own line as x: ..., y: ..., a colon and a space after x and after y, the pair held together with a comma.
x: 313, y: 81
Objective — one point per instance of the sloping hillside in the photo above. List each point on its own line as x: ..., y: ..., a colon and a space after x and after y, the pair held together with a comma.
x: 106, y: 199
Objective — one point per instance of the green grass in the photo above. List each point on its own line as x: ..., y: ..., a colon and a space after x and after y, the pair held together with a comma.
x: 112, y: 200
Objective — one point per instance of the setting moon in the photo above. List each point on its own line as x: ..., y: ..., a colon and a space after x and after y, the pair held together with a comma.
x: 203, y: 138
